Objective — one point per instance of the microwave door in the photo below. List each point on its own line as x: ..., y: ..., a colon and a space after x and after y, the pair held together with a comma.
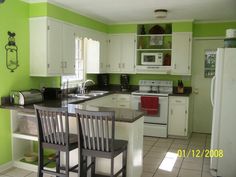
x: 149, y: 59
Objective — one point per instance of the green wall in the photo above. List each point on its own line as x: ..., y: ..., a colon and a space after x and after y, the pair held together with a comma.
x: 50, y: 10
x: 14, y: 17
x: 212, y: 29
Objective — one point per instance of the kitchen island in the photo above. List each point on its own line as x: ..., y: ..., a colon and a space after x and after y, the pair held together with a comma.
x: 128, y: 126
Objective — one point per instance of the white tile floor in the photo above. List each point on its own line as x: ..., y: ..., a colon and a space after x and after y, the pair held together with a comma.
x: 157, y: 161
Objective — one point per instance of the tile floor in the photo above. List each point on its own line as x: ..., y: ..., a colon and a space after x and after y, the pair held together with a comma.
x: 160, y: 159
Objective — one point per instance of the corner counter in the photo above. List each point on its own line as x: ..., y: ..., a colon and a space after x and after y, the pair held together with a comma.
x: 128, y: 126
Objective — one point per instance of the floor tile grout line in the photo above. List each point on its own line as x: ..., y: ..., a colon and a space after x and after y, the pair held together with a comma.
x: 183, y: 157
x: 151, y: 148
x: 163, y: 158
x: 204, y: 156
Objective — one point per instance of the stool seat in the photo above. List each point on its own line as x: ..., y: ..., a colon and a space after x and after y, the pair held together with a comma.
x: 96, y: 140
x: 53, y: 128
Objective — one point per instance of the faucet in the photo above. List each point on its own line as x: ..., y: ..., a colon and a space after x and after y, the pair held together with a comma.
x: 84, y: 84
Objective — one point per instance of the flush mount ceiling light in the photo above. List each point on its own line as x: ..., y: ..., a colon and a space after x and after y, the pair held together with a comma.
x: 160, y: 13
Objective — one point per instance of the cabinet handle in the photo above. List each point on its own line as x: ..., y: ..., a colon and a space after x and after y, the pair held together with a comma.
x: 123, y: 65
x: 171, y: 111
x: 119, y: 65
x: 178, y: 101
x: 175, y: 66
x: 122, y: 105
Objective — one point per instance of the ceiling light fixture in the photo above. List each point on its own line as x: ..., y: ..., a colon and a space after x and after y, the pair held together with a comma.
x: 160, y: 13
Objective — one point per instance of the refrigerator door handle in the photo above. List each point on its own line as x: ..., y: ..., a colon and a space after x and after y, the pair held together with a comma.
x: 212, y: 90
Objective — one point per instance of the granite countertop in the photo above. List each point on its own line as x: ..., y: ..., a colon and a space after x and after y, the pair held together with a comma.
x: 187, y: 92
x: 121, y: 114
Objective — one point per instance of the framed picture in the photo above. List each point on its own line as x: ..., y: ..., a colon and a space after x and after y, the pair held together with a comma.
x: 156, y: 40
x: 210, y: 63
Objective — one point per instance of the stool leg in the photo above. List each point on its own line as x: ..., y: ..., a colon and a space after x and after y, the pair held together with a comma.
x: 58, y: 162
x: 93, y: 160
x: 67, y: 162
x: 40, y: 161
x: 112, y: 167
x: 124, y: 162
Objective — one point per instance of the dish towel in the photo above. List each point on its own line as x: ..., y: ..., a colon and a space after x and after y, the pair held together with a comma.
x: 150, y: 104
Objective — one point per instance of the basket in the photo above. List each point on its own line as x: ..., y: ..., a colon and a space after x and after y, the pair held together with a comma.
x: 28, y: 125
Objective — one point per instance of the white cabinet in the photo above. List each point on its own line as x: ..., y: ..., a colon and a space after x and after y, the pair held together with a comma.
x: 178, y: 116
x: 121, y: 53
x: 96, y: 54
x: 181, y: 53
x: 113, y: 100
x: 52, y: 47
x: 123, y: 101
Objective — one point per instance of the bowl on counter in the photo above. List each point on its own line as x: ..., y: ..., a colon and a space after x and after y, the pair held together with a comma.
x: 31, y: 157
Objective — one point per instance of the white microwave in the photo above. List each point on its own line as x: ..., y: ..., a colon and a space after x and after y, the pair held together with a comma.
x: 152, y: 58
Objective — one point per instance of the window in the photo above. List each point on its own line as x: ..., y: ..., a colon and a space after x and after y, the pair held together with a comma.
x: 79, y: 65
x: 86, y: 50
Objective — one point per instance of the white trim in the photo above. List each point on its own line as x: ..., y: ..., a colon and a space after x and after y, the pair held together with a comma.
x: 214, y: 21
x: 6, y: 166
x: 34, y: 1
x: 150, y: 21
x: 210, y: 38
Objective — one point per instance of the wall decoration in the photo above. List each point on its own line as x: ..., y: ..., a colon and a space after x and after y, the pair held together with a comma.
x: 11, y: 52
x: 156, y: 40
x: 210, y: 63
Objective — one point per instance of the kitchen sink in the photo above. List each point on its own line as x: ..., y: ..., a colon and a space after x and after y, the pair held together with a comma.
x: 97, y: 92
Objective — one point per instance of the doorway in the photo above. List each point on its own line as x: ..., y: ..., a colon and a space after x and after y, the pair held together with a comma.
x: 202, y: 114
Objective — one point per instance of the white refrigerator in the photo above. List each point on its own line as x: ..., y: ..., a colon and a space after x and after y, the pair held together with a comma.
x: 223, y: 98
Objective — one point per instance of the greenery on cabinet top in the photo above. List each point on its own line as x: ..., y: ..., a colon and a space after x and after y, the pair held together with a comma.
x: 154, y: 29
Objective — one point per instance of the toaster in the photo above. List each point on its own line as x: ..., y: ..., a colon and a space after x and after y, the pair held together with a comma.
x: 26, y: 97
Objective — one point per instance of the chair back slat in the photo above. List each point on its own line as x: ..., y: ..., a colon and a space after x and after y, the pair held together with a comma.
x: 107, y: 133
x: 94, y: 129
x: 83, y: 131
x: 93, y: 134
x: 97, y: 133
x: 53, y: 125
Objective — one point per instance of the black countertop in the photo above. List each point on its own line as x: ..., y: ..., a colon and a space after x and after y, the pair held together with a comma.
x: 187, y: 92
x: 121, y: 114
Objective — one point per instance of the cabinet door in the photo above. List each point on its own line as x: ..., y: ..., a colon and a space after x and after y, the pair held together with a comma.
x: 68, y: 60
x: 128, y: 45
x: 103, y: 53
x: 54, y: 62
x: 178, y: 116
x: 114, y: 54
x: 181, y: 53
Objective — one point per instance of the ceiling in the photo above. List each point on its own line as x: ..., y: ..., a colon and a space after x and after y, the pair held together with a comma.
x: 134, y: 11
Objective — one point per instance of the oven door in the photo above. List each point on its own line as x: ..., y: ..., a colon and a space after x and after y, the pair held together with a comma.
x: 161, y: 117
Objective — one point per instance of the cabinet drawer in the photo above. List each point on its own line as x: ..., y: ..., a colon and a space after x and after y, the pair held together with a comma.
x: 178, y: 100
x: 123, y: 97
x: 123, y: 104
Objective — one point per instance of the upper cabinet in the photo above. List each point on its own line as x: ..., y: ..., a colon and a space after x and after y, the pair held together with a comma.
x: 52, y: 47
x: 181, y: 53
x: 96, y: 54
x: 121, y: 53
x: 154, y: 48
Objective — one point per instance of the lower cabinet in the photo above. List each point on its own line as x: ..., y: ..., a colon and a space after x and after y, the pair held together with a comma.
x: 114, y: 100
x: 178, y: 116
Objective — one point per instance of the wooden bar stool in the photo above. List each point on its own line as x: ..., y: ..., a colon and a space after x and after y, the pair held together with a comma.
x: 53, y: 133
x: 95, y: 140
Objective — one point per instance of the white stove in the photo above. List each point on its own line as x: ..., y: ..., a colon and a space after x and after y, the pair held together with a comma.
x: 155, y: 125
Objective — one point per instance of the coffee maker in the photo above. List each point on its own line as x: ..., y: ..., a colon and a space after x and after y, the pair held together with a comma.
x: 124, y: 82
x: 103, y: 81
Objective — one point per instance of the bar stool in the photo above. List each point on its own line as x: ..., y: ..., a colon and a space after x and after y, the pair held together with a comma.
x: 95, y: 140
x: 53, y: 133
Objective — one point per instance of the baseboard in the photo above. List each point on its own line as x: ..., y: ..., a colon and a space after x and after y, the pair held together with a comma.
x: 5, y: 166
